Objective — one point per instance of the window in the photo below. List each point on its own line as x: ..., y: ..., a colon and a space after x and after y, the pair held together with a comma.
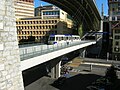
x: 116, y: 49
x: 118, y: 18
x: 116, y: 43
x: 117, y: 31
x: 62, y: 13
x: 113, y: 9
x: 113, y: 18
x: 117, y: 37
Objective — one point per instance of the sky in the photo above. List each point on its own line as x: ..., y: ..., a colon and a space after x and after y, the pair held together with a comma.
x: 98, y: 2
x: 105, y: 5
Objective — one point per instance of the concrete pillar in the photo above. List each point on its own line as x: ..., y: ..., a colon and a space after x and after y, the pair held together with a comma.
x: 83, y: 53
x: 55, y: 71
x: 10, y: 73
x: 58, y: 66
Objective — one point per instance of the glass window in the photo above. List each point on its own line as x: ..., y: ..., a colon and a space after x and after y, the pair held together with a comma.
x: 118, y: 18
x: 56, y: 38
x: 117, y: 37
x: 113, y: 18
x: 117, y: 31
x: 53, y: 38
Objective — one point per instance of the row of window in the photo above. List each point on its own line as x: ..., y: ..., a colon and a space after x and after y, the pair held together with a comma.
x: 67, y: 38
x: 114, y: 0
x: 117, y: 31
x: 51, y: 17
x: 51, y: 13
x: 26, y: 37
x: 37, y: 22
x: 27, y: 0
x: 116, y: 18
x: 117, y: 37
x: 37, y: 27
x: 36, y: 32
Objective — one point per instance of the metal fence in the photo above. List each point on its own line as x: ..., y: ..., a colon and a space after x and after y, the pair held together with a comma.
x: 33, y: 51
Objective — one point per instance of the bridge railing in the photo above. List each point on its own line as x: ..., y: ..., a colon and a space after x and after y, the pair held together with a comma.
x: 33, y: 51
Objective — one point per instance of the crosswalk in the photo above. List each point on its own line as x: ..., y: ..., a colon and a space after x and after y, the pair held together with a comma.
x: 75, y: 70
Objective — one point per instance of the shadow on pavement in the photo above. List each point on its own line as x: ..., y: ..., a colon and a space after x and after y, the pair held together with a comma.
x: 77, y: 82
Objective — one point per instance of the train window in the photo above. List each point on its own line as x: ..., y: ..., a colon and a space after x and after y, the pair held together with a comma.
x: 52, y: 38
x: 67, y: 38
x: 62, y: 38
x: 56, y: 38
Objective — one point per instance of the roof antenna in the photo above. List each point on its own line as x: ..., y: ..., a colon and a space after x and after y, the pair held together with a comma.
x: 102, y: 12
x: 41, y: 3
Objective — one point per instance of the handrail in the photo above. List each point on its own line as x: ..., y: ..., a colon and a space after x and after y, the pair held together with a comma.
x: 33, y: 51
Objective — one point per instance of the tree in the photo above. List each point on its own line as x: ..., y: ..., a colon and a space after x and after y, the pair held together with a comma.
x: 111, y: 74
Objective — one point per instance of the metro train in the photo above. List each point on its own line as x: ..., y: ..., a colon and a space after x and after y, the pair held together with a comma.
x: 56, y: 39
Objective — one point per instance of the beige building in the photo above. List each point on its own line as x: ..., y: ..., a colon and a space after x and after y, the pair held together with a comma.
x: 24, y: 8
x: 114, y: 20
x: 40, y: 27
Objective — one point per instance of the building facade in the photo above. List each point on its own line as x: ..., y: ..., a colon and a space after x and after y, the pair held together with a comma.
x: 114, y: 22
x: 24, y: 8
x: 48, y: 21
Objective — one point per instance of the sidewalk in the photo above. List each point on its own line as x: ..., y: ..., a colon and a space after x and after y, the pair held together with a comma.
x: 100, y: 61
x: 75, y: 62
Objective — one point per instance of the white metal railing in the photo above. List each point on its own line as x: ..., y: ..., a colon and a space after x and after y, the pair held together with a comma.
x: 33, y: 51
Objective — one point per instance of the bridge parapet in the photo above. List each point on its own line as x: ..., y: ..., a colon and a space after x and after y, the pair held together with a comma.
x: 34, y: 51
x: 31, y: 59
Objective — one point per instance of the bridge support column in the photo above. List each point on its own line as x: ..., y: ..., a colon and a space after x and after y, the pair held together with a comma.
x: 83, y: 54
x: 55, y: 71
x: 10, y: 73
x: 58, y: 66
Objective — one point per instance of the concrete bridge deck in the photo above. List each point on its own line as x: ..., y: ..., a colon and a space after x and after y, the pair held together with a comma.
x: 32, y: 58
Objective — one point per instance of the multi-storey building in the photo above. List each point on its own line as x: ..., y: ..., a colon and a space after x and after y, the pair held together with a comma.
x: 114, y: 23
x: 49, y: 21
x: 24, y: 8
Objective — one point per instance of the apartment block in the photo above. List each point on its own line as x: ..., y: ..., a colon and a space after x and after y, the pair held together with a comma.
x: 48, y: 20
x: 114, y: 22
x: 24, y: 8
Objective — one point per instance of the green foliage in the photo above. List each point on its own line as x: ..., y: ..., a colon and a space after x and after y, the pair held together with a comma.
x: 80, y: 30
x: 111, y: 74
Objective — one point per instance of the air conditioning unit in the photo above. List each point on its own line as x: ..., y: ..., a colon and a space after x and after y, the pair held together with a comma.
x: 116, y: 49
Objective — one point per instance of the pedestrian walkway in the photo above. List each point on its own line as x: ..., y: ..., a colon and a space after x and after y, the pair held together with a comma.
x: 97, y: 60
x: 75, y: 62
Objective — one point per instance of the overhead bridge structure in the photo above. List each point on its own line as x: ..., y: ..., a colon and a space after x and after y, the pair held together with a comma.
x: 82, y: 11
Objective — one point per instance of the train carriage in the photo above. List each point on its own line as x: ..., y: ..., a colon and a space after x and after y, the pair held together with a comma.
x: 56, y: 39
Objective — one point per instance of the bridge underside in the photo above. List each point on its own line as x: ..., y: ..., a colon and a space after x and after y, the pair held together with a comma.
x: 82, y: 11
